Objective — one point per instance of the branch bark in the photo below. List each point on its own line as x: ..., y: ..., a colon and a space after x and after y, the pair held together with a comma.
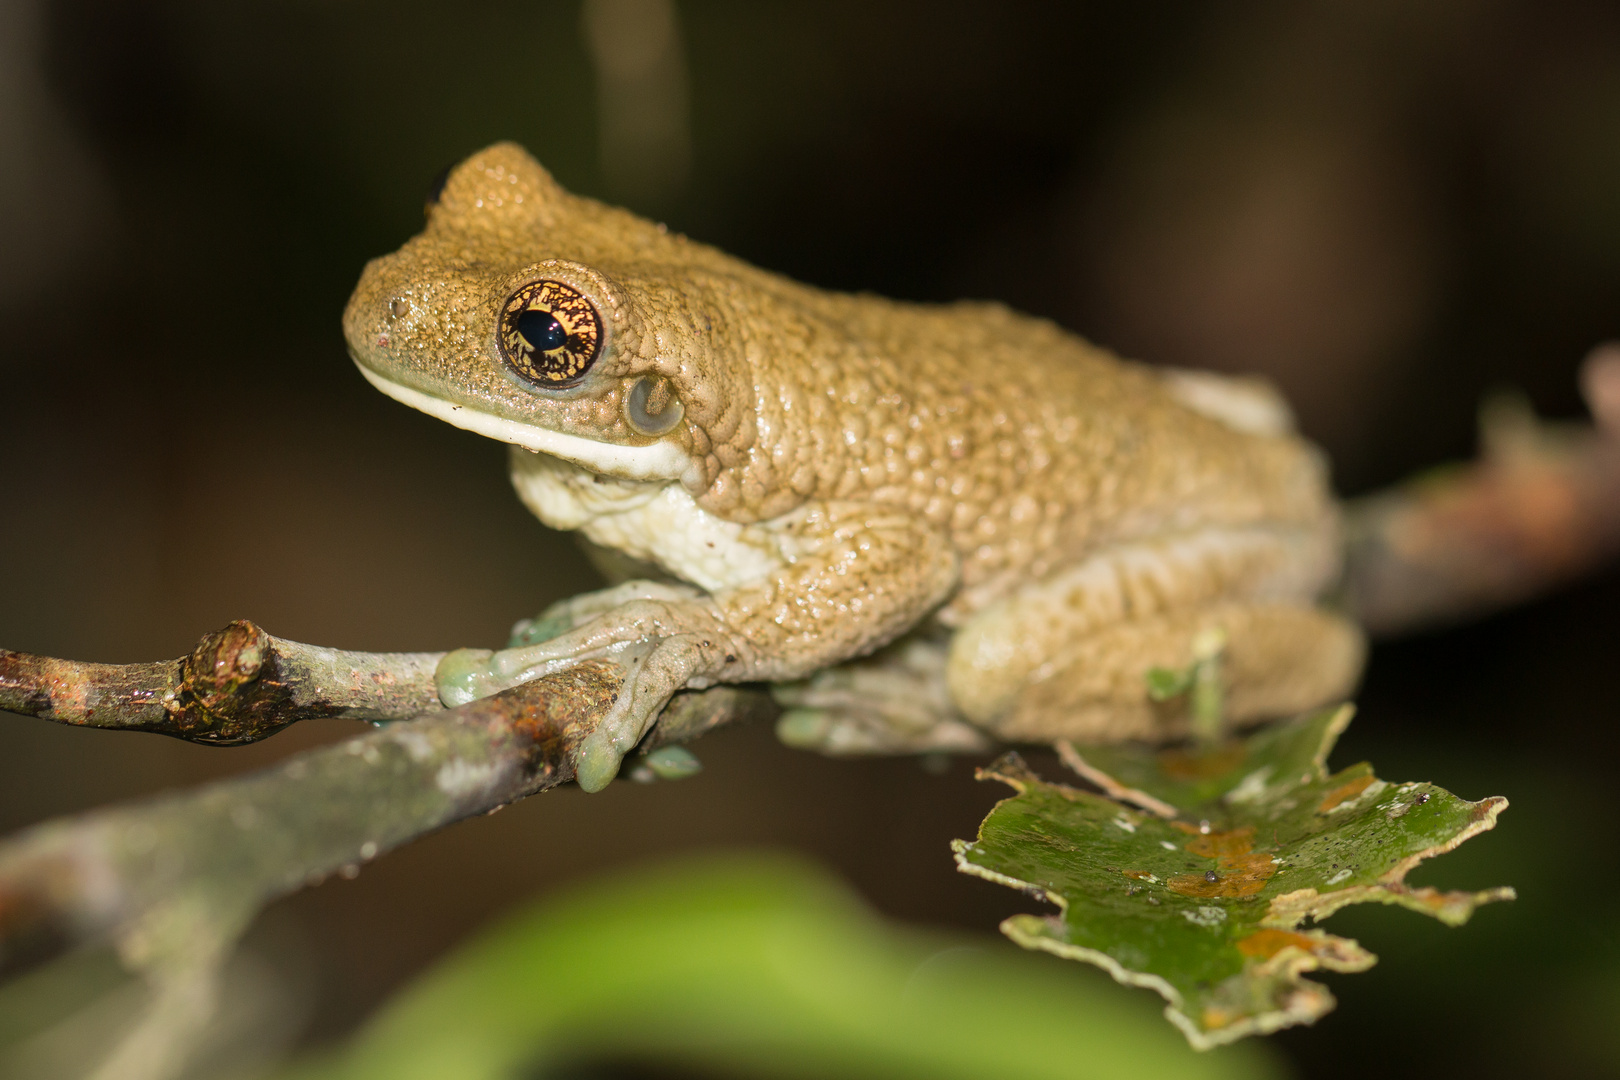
x: 237, y: 686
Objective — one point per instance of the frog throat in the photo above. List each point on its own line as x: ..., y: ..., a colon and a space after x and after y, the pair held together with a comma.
x: 661, y: 460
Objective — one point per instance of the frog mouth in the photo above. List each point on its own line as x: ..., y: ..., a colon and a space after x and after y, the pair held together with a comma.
x: 662, y: 460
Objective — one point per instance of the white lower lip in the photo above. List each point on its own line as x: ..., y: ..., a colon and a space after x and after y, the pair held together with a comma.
x: 656, y: 461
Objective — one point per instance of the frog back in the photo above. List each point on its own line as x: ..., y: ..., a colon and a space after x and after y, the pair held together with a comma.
x: 1030, y: 446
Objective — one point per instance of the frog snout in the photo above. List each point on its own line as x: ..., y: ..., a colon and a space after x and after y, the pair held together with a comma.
x: 368, y: 318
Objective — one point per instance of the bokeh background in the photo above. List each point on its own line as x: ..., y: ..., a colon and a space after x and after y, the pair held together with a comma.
x: 1391, y: 207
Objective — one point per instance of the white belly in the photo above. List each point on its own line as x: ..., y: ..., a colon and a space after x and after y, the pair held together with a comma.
x: 654, y: 521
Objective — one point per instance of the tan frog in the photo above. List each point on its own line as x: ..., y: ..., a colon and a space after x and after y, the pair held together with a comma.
x: 926, y: 523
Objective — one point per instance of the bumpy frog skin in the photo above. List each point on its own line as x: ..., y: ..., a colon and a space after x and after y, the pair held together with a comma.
x: 927, y: 524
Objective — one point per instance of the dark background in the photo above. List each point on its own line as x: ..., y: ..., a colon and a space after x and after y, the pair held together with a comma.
x: 1391, y: 207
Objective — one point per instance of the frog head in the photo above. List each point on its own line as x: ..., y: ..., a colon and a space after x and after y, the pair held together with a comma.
x: 555, y: 323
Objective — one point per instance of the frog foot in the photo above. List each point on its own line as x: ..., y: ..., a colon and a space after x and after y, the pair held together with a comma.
x: 664, y: 643
x: 846, y: 734
x: 893, y: 702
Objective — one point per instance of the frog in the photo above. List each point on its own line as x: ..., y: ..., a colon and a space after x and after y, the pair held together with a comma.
x: 928, y: 527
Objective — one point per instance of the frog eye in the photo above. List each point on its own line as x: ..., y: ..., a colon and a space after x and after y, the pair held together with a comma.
x: 651, y: 407
x: 549, y: 333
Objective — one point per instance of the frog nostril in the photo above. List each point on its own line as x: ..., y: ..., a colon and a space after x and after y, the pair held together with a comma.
x: 399, y: 308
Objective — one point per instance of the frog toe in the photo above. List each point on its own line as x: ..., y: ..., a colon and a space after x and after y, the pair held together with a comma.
x: 465, y: 675
x: 655, y: 671
x: 597, y: 761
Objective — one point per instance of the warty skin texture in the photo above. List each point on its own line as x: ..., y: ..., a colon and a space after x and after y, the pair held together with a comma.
x: 907, y: 465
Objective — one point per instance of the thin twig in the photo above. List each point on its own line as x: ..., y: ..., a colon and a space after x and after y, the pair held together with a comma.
x: 237, y: 686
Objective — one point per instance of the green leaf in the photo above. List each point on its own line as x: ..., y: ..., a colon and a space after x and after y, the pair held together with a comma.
x: 1193, y: 873
x: 760, y: 966
x: 1165, y: 683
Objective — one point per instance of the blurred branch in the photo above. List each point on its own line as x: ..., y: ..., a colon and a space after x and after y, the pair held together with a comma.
x: 1540, y: 507
x: 172, y: 882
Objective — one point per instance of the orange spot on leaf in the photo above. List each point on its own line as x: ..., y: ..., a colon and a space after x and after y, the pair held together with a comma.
x: 1264, y: 944
x: 1223, y: 845
x: 1344, y: 793
x: 1240, y: 870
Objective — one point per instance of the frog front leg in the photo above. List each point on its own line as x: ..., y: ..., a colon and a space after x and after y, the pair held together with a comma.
x: 852, y: 577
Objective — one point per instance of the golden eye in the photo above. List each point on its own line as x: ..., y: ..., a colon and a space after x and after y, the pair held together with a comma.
x: 549, y: 333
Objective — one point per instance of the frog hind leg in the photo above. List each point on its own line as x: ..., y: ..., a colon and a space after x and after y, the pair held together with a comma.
x: 1280, y: 659
x: 1098, y: 625
x: 892, y: 702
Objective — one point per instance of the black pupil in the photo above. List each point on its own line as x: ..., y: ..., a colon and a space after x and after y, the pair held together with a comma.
x: 541, y: 330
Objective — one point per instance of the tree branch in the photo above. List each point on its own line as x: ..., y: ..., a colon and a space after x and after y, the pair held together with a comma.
x: 237, y: 686
x: 246, y: 840
x: 172, y: 882
x: 1541, y: 507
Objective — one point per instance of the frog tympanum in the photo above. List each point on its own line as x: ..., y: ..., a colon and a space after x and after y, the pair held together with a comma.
x: 926, y: 524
